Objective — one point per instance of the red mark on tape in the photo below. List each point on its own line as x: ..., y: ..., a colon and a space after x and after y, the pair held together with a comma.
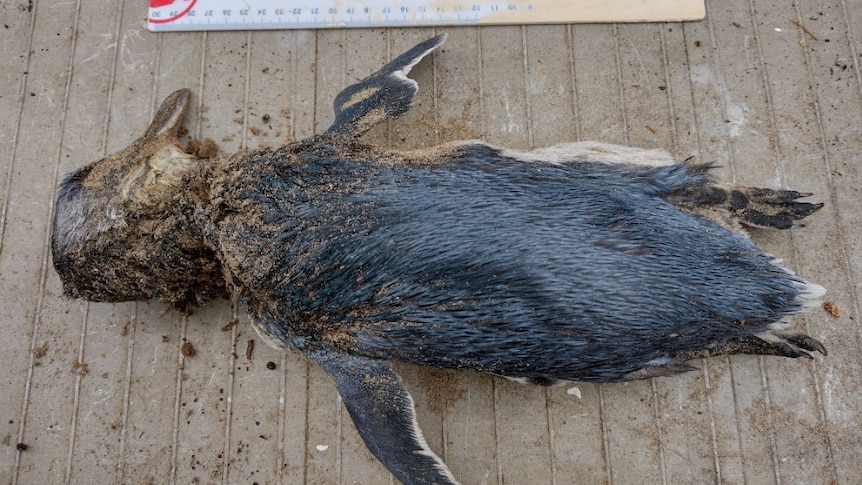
x: 167, y: 11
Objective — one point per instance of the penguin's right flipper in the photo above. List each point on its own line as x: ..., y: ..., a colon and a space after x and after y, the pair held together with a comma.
x: 383, y: 413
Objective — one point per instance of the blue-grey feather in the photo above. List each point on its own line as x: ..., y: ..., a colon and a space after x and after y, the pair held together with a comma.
x: 576, y: 271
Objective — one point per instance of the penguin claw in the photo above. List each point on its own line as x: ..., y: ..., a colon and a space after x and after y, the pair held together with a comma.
x: 804, y: 342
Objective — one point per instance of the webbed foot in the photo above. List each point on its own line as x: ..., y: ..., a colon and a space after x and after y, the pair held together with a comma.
x: 777, y: 343
x: 752, y: 206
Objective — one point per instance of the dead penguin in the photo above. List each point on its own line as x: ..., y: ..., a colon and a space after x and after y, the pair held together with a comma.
x: 584, y: 262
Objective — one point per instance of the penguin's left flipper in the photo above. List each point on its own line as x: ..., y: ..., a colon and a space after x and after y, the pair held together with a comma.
x: 383, y: 413
x: 386, y: 94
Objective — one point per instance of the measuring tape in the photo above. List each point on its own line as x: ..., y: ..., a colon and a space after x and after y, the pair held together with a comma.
x: 179, y: 15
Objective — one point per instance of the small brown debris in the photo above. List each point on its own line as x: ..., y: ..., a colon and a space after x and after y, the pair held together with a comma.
x: 80, y: 368
x: 164, y: 338
x: 254, y: 130
x: 832, y: 308
x: 265, y: 118
x: 188, y: 349
x: 125, y: 330
x: 270, y: 365
x: 736, y: 24
x: 21, y: 447
x: 230, y: 325
x: 651, y: 129
x: 249, y: 348
x: 40, y: 352
x: 804, y: 29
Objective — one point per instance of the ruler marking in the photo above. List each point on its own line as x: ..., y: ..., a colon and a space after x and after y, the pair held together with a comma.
x: 180, y: 15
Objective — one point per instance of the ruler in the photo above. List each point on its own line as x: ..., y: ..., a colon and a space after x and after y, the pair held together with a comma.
x: 183, y: 15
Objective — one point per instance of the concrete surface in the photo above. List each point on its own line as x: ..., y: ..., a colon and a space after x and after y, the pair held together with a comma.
x: 103, y: 393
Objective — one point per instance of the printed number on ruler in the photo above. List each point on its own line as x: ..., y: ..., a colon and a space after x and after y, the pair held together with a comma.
x: 165, y: 15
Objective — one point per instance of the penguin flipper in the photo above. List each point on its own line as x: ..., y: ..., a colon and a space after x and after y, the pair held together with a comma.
x: 382, y: 410
x: 386, y: 94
